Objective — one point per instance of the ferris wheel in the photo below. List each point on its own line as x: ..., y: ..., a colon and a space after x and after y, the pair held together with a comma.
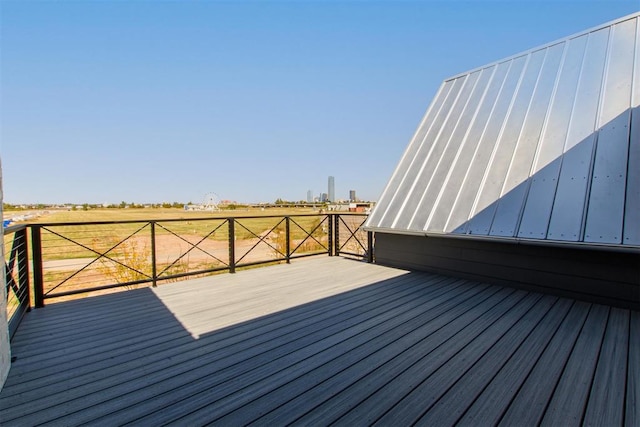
x: 210, y: 202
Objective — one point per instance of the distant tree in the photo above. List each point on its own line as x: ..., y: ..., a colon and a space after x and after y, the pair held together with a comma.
x: 122, y: 204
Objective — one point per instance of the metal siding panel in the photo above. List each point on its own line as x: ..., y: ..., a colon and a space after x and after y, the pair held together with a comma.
x: 542, y: 149
x: 493, y: 181
x: 408, y: 156
x: 458, y: 219
x: 430, y: 163
x: 605, y: 212
x: 569, y: 203
x: 447, y: 165
x: 458, y: 170
x: 632, y: 203
x: 517, y: 181
x: 411, y: 171
x: 456, y: 140
x: 537, y: 211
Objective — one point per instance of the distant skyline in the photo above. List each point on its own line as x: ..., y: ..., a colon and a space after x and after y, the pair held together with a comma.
x: 167, y: 101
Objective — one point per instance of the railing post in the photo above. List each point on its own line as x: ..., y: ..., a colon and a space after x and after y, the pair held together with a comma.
x: 232, y: 246
x: 23, y: 266
x: 154, y: 271
x: 336, y: 237
x: 38, y: 276
x: 370, y: 246
x: 287, y: 240
x: 330, y: 236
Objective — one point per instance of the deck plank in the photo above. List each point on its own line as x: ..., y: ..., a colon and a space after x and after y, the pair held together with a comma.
x: 377, y: 351
x: 569, y: 399
x: 123, y: 347
x: 531, y: 400
x: 282, y: 362
x: 382, y: 400
x: 632, y: 407
x: 505, y: 367
x: 144, y: 369
x: 606, y: 400
x: 340, y: 393
x: 421, y: 398
x: 320, y: 341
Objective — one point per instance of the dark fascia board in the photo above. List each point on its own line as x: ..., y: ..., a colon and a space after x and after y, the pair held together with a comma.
x: 516, y: 241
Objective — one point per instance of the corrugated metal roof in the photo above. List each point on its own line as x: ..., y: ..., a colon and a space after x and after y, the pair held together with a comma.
x: 544, y: 145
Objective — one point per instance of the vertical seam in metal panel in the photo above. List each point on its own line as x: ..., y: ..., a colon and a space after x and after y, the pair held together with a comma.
x: 406, y: 151
x: 632, y: 101
x: 594, y: 149
x: 519, y: 139
x: 543, y: 131
x: 424, y: 163
x: 406, y: 170
x: 499, y: 138
x: 453, y: 131
x: 566, y: 138
x: 480, y: 139
x: 460, y: 149
x: 554, y: 92
x: 411, y: 162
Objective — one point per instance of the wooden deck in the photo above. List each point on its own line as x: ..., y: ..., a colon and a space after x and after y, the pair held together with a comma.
x: 321, y: 341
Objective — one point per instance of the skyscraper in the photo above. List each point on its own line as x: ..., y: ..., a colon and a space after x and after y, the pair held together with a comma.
x: 352, y: 196
x: 332, y: 189
x: 309, y: 196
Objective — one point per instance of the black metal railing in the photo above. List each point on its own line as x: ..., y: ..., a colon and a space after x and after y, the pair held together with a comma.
x: 16, y: 264
x: 82, y: 257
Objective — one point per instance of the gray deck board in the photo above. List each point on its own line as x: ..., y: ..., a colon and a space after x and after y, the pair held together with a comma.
x: 293, y: 321
x: 507, y: 365
x: 503, y: 336
x: 393, y: 392
x: 344, y: 356
x: 327, y: 404
x: 606, y: 400
x: 568, y: 402
x: 534, y: 394
x: 284, y: 360
x: 320, y: 341
x: 632, y: 407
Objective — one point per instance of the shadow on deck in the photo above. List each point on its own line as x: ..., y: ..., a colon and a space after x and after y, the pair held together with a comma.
x: 321, y: 341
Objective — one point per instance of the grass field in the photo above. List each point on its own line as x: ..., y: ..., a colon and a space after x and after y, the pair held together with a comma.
x: 143, y: 214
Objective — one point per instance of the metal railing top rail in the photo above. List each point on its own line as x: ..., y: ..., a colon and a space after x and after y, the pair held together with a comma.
x: 16, y: 227
x: 209, y: 218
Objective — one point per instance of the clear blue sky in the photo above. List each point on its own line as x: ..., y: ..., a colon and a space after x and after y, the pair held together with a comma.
x: 167, y: 101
